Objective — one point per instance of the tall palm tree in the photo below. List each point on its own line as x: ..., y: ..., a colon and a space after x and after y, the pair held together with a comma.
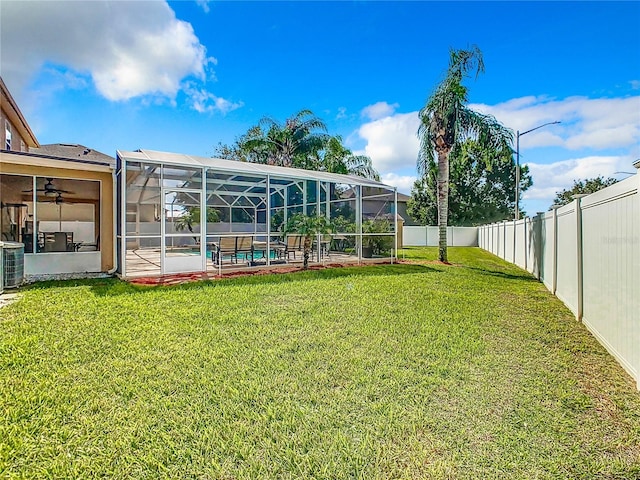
x: 446, y: 121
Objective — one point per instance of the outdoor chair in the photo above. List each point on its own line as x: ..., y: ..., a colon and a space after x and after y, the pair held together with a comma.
x: 89, y: 246
x: 244, y: 244
x: 325, y: 244
x: 293, y: 244
x: 58, y: 242
x: 226, y: 246
x: 232, y: 246
x: 279, y: 247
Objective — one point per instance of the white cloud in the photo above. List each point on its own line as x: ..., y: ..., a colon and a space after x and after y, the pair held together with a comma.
x: 128, y: 49
x: 342, y: 113
x: 554, y: 177
x: 586, y: 123
x: 635, y: 84
x: 605, y: 131
x: 403, y: 182
x: 204, y: 4
x: 203, y: 101
x: 392, y: 142
x: 378, y: 110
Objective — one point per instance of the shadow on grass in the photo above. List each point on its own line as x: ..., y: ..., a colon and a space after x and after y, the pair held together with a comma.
x: 115, y: 286
x: 524, y: 276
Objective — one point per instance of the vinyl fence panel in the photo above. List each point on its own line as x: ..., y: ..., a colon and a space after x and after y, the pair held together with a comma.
x: 414, y: 236
x: 428, y: 236
x: 588, y: 254
x: 567, y: 268
x: 509, y: 241
x: 520, y: 243
x: 547, y: 253
x: 611, y: 270
x: 464, y: 236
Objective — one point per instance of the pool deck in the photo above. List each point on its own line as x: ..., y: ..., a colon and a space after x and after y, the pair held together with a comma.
x: 147, y: 263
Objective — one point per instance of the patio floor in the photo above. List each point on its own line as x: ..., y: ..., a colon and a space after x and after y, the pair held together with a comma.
x: 147, y: 263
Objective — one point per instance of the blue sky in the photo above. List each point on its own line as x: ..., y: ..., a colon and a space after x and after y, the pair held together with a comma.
x: 184, y: 76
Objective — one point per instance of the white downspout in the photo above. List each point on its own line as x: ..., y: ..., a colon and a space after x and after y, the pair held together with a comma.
x: 114, y: 216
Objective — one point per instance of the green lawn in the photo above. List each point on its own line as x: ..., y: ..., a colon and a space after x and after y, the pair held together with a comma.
x: 400, y: 371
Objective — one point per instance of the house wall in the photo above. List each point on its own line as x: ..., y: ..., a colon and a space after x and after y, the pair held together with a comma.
x: 21, y: 135
x: 43, y: 167
x: 18, y: 142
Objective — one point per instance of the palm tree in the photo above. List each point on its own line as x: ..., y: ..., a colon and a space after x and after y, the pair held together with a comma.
x: 446, y: 121
x: 291, y: 144
x: 307, y: 226
x: 300, y: 142
x: 339, y: 159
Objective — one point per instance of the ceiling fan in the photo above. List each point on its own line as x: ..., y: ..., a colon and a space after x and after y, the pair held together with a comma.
x: 49, y: 189
x: 59, y: 200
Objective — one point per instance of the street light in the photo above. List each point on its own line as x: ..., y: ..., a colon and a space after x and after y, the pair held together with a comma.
x: 518, y: 135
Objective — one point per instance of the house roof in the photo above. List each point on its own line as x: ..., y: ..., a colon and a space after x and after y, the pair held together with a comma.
x: 10, y: 107
x: 72, y: 151
x: 245, y: 167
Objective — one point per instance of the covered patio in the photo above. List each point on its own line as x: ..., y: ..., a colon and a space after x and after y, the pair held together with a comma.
x: 180, y: 214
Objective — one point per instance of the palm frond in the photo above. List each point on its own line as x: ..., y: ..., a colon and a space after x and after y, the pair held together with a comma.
x: 362, y: 166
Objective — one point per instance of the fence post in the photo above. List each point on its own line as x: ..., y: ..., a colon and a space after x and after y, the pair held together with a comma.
x: 637, y: 165
x: 554, y: 276
x: 537, y: 247
x: 580, y: 257
x: 524, y: 236
x: 504, y: 240
x: 515, y: 227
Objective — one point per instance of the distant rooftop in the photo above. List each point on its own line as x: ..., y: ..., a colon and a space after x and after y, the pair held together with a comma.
x: 72, y: 151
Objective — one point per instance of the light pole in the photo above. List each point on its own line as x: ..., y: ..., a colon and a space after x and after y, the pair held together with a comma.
x: 518, y: 135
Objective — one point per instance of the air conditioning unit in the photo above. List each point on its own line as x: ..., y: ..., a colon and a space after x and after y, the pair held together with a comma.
x: 12, y: 264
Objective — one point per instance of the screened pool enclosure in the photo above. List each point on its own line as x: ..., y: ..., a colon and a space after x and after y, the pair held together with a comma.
x: 180, y: 214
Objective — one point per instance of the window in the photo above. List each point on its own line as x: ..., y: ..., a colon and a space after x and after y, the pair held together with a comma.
x: 7, y: 135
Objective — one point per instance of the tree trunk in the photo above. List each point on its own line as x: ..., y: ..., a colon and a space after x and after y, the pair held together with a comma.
x: 306, y: 251
x: 443, y: 201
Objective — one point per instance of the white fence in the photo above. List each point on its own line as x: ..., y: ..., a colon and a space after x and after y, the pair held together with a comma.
x: 428, y: 236
x: 588, y: 254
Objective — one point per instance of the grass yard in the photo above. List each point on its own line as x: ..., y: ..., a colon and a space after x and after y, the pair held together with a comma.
x: 471, y: 371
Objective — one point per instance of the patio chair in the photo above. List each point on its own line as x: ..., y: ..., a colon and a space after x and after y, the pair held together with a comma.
x: 58, y: 242
x: 293, y: 244
x: 89, y: 246
x: 232, y: 246
x: 226, y: 246
x: 279, y: 247
x: 325, y: 245
x: 244, y: 244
